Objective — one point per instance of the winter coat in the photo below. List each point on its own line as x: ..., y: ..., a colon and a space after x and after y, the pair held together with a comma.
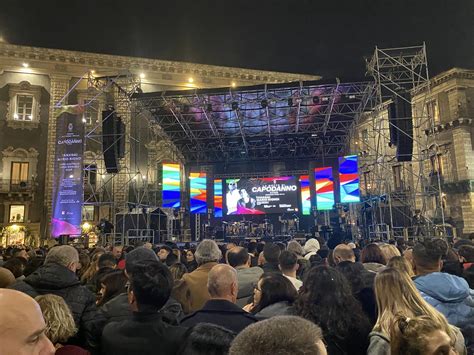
x: 373, y: 267
x: 247, y: 278
x: 276, y: 309
x: 142, y: 334
x: 223, y: 313
x: 59, y: 280
x: 451, y: 296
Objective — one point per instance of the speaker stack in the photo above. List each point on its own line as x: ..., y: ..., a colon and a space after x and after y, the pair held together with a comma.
x: 401, y: 126
x: 113, y: 140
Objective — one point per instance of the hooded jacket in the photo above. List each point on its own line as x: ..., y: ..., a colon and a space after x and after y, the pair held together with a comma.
x: 450, y: 295
x: 59, y: 280
x: 311, y: 247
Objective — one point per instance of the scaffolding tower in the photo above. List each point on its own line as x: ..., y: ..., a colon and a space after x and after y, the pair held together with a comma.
x: 395, y: 188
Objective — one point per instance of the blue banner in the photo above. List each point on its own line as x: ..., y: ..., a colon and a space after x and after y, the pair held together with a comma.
x: 68, y: 188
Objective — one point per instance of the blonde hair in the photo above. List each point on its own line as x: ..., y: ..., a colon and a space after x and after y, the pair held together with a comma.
x: 401, y: 264
x: 60, y: 324
x: 397, y: 296
x: 389, y: 251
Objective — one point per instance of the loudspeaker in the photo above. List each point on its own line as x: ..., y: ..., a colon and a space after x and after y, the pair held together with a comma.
x: 405, y: 127
x: 120, y: 135
x: 110, y: 146
x: 392, y: 120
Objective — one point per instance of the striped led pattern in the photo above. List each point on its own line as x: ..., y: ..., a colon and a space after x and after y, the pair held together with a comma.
x: 305, y: 195
x: 171, y: 185
x: 218, y: 198
x: 198, y: 192
x: 324, y: 188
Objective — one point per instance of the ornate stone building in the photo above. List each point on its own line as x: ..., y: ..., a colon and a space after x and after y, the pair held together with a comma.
x: 440, y: 179
x: 34, y: 80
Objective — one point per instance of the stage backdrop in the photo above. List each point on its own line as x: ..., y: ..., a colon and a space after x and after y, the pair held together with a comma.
x: 217, y: 198
x: 349, y: 179
x: 324, y: 182
x: 262, y: 195
x: 68, y: 188
x: 305, y: 195
x: 171, y: 185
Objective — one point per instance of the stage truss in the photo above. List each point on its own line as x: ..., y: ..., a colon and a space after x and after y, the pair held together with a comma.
x: 397, y: 70
x: 303, y: 120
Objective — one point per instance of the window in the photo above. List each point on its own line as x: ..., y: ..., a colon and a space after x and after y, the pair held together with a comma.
x: 19, y: 172
x: 432, y: 110
x: 17, y: 213
x: 24, y: 108
x: 437, y: 164
x: 87, y: 213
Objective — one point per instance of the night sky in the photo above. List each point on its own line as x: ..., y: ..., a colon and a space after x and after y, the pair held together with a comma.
x: 328, y: 38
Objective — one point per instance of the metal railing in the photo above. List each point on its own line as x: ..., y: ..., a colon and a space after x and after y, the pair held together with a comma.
x: 8, y: 185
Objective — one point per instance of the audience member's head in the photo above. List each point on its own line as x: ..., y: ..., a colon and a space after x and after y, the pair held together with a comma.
x: 311, y: 246
x: 271, y: 253
x: 280, y: 335
x: 466, y: 252
x: 107, y: 260
x: 238, y: 257
x: 207, y: 251
x: 222, y: 283
x: 389, y: 251
x: 150, y: 286
x: 296, y: 248
x: 163, y: 253
x: 111, y: 285
x: 343, y: 252
x: 60, y: 324
x: 137, y: 256
x: 353, y: 273
x: 288, y: 262
x: 401, y: 264
x: 64, y: 255
x: 272, y: 288
x: 117, y: 251
x: 27, y: 336
x: 336, y: 311
x: 6, y: 278
x: 177, y: 271
x: 427, y: 256
x: 372, y: 254
x: 20, y: 253
x: 16, y: 266
x: 419, y: 336
x: 252, y: 248
x: 396, y: 294
x: 207, y: 339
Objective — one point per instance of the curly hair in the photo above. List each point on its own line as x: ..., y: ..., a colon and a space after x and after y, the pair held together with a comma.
x: 60, y: 324
x: 326, y: 299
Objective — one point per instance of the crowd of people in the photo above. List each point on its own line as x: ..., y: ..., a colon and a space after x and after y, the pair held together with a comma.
x: 322, y: 297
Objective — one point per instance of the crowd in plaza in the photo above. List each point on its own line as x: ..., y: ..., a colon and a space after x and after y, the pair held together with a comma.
x: 318, y: 297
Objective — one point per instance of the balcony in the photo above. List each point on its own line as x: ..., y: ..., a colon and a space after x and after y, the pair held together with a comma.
x: 17, y: 186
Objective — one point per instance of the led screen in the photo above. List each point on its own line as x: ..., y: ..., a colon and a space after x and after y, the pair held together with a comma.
x: 198, y: 192
x: 218, y: 198
x: 262, y: 195
x: 171, y: 185
x: 349, y: 179
x: 324, y: 182
x: 305, y: 195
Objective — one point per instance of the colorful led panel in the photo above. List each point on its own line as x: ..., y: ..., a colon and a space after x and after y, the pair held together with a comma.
x: 305, y: 195
x: 198, y: 192
x: 217, y: 198
x: 349, y: 179
x: 324, y: 182
x: 171, y: 185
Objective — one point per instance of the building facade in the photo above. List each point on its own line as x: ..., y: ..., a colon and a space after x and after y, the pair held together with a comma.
x: 35, y: 80
x: 439, y: 179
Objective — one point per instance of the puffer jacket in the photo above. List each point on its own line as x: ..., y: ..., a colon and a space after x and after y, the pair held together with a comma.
x: 59, y: 280
x: 451, y: 296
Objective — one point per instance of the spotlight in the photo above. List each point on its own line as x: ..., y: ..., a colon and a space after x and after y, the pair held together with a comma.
x: 84, y: 120
x: 290, y: 102
x: 190, y: 80
x: 235, y: 105
x: 264, y: 103
x: 233, y: 84
x: 25, y: 65
x: 315, y: 100
x: 142, y: 76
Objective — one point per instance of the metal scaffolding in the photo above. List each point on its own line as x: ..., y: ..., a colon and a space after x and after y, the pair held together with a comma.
x: 394, y: 188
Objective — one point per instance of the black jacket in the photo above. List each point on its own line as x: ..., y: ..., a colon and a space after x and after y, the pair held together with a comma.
x: 142, y: 334
x: 271, y: 267
x: 223, y: 313
x: 118, y: 309
x: 59, y: 280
